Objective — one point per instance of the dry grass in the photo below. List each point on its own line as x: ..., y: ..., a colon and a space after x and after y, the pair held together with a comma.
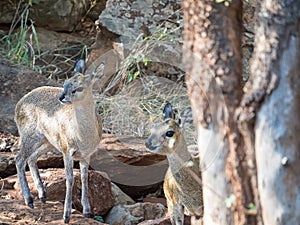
x: 139, y: 105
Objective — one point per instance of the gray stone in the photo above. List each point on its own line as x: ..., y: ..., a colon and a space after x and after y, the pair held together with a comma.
x: 16, y: 81
x: 132, y: 18
x: 59, y: 15
x: 134, y: 214
x: 120, y: 197
x: 139, y: 19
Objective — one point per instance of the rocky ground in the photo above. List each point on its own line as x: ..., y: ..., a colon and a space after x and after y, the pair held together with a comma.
x: 125, y: 180
x: 110, y: 204
x: 138, y: 173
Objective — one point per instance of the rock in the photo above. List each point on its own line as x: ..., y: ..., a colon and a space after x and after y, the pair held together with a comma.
x: 100, y: 193
x: 7, y: 164
x: 50, y: 40
x: 135, y: 170
x: 134, y: 214
x: 15, y: 212
x: 155, y: 200
x: 166, y: 221
x: 16, y: 81
x: 53, y: 159
x: 161, y: 221
x: 120, y: 198
x: 59, y: 15
x: 139, y: 19
x: 132, y: 18
x: 125, y: 159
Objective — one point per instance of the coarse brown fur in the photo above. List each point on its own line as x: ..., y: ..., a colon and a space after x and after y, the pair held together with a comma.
x: 183, y: 192
x: 61, y: 118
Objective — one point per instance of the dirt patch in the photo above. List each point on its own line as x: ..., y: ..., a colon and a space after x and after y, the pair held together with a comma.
x: 14, y: 211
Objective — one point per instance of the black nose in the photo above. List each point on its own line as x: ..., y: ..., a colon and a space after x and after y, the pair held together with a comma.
x: 62, y: 97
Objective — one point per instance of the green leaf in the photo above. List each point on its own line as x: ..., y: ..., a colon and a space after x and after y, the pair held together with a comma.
x: 30, y: 2
x: 252, y: 206
x: 35, y: 36
x: 99, y: 218
x: 145, y: 61
x: 226, y: 3
x: 219, y: 1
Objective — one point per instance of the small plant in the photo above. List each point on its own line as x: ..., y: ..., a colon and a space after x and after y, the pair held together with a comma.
x: 134, y: 69
x: 15, y: 44
x: 252, y: 209
x: 98, y: 218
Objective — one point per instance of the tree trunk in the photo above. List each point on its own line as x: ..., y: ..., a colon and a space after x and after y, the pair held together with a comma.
x: 270, y: 110
x: 212, y: 55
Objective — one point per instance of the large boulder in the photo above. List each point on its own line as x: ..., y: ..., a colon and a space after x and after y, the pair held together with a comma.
x: 100, y: 192
x: 134, y: 169
x: 59, y: 15
x: 132, y: 18
x: 139, y: 19
x: 16, y: 81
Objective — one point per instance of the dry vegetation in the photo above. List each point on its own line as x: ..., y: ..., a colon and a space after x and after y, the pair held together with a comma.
x: 135, y: 109
x: 135, y: 105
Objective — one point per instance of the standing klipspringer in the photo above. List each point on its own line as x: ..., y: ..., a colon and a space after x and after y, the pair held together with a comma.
x: 61, y: 118
x: 183, y: 192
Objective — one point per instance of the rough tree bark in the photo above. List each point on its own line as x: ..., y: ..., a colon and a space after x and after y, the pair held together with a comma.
x: 270, y: 110
x: 212, y: 56
x: 261, y: 165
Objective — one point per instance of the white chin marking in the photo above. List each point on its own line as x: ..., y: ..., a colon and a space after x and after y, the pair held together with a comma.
x: 172, y: 141
x: 156, y: 150
x: 189, y: 164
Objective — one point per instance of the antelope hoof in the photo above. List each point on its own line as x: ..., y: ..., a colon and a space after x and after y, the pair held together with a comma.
x: 66, y: 219
x: 43, y: 199
x: 29, y: 202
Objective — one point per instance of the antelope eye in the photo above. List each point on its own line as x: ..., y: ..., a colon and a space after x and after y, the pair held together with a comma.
x: 170, y: 133
x: 79, y: 89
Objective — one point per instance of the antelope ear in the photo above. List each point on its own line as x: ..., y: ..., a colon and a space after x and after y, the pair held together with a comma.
x: 79, y: 66
x: 168, y: 111
x: 186, y: 117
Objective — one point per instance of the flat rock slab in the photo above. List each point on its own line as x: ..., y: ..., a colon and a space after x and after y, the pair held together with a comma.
x: 125, y: 160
